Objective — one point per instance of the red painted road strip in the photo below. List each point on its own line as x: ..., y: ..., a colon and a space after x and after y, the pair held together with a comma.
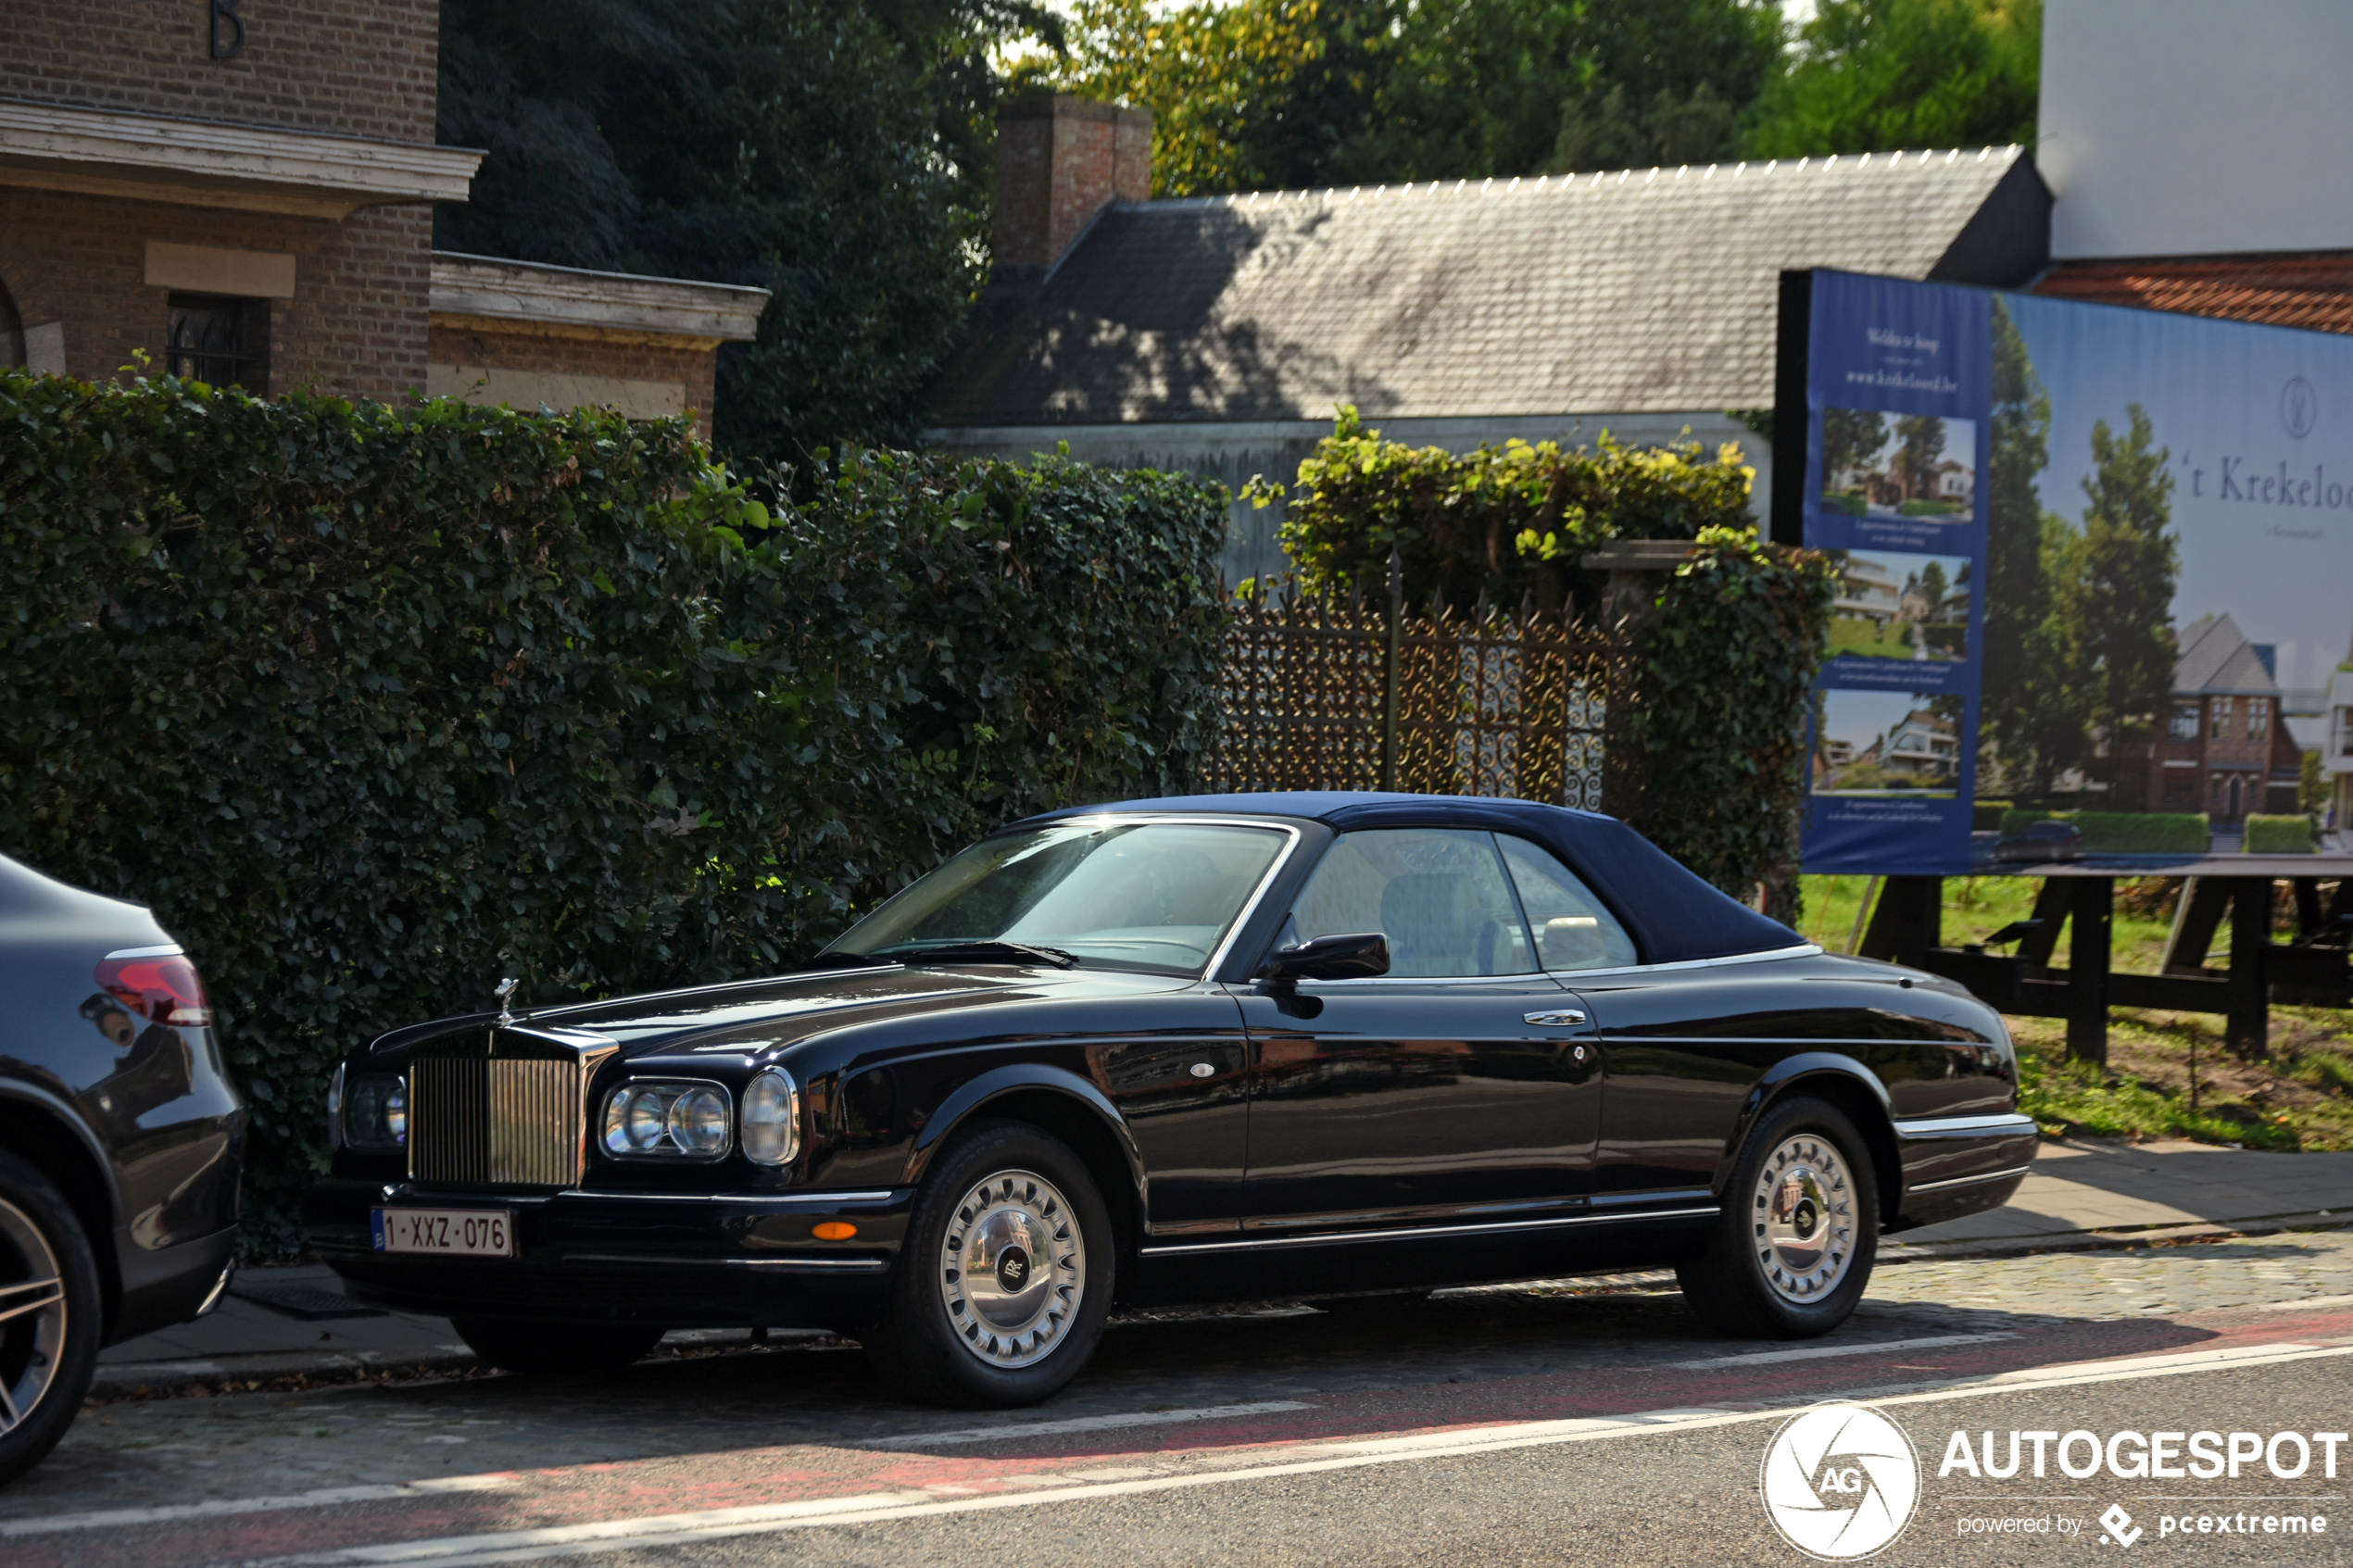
x: 588, y: 1494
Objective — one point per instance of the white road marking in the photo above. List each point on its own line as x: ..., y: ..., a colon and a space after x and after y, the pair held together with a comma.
x: 326, y: 1497
x: 1005, y: 1429
x: 1816, y: 1352
x: 680, y: 1529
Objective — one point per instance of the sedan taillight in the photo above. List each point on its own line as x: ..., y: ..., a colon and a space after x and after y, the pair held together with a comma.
x: 160, y: 987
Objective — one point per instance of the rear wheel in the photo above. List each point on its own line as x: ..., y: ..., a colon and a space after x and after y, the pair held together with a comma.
x: 534, y: 1349
x: 1005, y: 1278
x: 1794, y: 1248
x: 50, y: 1318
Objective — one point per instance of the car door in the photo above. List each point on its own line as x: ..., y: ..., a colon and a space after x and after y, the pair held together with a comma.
x: 1464, y: 1081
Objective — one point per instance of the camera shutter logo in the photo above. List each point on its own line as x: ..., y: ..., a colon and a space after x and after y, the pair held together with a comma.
x: 1840, y: 1481
x: 2300, y: 405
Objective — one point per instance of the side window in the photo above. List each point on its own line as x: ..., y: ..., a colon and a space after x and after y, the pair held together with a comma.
x: 1572, y: 929
x: 1437, y: 893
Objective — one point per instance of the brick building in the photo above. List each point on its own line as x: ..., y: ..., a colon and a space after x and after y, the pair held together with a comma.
x: 2224, y: 749
x: 245, y: 195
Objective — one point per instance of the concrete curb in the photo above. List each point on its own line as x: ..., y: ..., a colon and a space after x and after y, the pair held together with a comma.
x: 140, y: 1380
x: 2118, y: 1238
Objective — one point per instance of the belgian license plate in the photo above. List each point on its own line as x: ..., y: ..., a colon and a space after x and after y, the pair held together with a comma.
x: 465, y: 1232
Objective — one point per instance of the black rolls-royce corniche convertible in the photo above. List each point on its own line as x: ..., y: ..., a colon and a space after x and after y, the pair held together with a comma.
x: 1182, y: 1051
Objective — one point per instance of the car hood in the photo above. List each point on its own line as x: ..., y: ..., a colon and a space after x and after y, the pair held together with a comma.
x: 758, y: 1015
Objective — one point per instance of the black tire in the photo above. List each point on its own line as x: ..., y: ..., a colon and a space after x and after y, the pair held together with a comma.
x: 530, y: 1348
x: 998, y: 1192
x: 1756, y: 1279
x: 49, y: 1353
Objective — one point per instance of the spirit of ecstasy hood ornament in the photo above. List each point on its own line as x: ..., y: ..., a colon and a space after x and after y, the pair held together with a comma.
x: 506, y: 998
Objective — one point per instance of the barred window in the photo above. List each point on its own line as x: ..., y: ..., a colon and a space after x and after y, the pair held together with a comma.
x: 219, y: 340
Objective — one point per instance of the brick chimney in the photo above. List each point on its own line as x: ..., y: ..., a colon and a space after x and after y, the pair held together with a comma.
x: 1061, y: 160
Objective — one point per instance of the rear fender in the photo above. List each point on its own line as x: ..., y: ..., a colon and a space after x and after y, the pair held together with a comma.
x: 1845, y: 1083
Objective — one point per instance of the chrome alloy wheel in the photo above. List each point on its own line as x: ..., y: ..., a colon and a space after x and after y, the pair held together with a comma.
x: 1014, y: 1269
x: 1804, y: 1221
x: 32, y: 1315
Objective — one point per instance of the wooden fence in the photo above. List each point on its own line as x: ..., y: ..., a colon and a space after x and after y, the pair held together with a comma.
x: 1331, y: 693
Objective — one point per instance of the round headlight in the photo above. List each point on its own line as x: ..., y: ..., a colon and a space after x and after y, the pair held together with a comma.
x: 648, y: 1118
x: 396, y: 1113
x: 698, y: 1122
x: 771, y: 1118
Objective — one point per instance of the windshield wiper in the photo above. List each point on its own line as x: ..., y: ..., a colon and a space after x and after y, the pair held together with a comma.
x: 980, y: 952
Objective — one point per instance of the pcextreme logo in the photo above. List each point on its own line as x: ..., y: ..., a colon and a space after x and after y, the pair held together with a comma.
x: 1840, y: 1481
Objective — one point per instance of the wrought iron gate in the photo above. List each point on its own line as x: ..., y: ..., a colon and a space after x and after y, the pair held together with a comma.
x: 1329, y: 693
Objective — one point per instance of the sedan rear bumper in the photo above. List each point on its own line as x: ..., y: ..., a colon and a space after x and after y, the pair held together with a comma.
x: 683, y: 1260
x: 1958, y: 1165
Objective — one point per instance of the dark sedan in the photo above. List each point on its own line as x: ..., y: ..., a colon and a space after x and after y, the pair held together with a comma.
x: 1190, y: 1049
x: 2040, y: 844
x: 121, y: 1147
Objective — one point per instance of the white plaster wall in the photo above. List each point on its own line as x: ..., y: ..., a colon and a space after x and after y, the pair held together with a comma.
x: 2197, y: 127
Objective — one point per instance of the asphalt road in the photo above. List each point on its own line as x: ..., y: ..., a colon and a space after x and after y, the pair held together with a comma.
x: 1529, y: 1426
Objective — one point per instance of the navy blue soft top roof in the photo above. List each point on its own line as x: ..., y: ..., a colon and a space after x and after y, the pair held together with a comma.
x: 1670, y: 913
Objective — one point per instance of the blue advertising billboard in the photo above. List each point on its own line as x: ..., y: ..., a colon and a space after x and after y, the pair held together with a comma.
x: 2091, y: 559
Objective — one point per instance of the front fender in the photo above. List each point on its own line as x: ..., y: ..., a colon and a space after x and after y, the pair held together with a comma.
x: 973, y: 1098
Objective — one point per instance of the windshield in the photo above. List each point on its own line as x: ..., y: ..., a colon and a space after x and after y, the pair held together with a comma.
x: 1147, y: 895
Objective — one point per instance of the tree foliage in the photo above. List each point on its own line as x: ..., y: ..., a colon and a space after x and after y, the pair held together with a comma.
x: 1286, y: 93
x: 2118, y: 606
x: 374, y: 704
x: 833, y: 152
x: 1871, y: 75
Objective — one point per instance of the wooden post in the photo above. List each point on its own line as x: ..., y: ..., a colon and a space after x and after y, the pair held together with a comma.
x: 1389, y: 671
x: 2090, y: 929
x: 1909, y: 921
x: 2247, y: 1026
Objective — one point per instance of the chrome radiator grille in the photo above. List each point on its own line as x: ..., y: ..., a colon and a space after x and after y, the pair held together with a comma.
x: 492, y: 1122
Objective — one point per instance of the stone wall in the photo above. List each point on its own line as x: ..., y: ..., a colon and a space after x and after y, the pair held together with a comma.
x: 638, y: 374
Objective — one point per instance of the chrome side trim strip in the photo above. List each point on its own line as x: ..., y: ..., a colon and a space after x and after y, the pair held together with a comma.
x: 1969, y: 1181
x: 1928, y: 1126
x: 1422, y: 1233
x: 168, y: 950
x: 729, y: 1197
x: 817, y: 1265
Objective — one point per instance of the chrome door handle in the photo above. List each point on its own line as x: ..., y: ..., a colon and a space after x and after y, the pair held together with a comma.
x: 1563, y: 1018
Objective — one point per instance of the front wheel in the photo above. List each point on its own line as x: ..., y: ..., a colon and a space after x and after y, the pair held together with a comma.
x: 1793, y: 1247
x: 1005, y: 1278
x: 533, y: 1348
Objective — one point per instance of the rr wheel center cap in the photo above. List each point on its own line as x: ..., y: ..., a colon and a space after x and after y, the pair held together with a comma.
x: 1013, y: 1269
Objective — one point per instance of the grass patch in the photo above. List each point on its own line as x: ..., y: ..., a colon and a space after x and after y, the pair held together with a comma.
x: 2302, y: 1098
x: 1852, y: 634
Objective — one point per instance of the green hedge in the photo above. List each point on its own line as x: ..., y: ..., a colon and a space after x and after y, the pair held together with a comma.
x: 1506, y: 521
x: 375, y: 704
x: 1729, y: 656
x: 2126, y: 833
x: 1730, y: 648
x: 2280, y: 836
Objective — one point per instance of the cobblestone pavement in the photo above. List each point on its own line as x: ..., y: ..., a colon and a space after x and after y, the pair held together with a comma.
x: 1379, y: 1364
